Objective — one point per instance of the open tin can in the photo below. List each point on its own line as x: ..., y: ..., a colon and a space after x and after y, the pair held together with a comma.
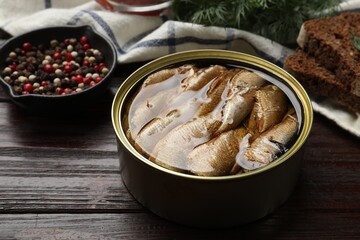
x: 220, y: 201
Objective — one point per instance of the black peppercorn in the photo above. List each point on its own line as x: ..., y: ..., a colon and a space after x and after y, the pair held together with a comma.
x: 41, y: 47
x: 74, y: 67
x: 18, y: 51
x: 9, y: 60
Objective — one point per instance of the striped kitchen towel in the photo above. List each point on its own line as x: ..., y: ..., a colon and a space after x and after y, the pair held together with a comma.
x: 143, y: 38
x: 136, y: 38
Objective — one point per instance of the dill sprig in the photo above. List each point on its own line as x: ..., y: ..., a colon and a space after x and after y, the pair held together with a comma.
x: 355, y: 41
x: 279, y: 20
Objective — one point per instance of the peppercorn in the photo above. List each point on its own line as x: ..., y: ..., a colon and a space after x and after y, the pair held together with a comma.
x: 30, y: 54
x: 81, y: 53
x: 26, y: 46
x: 51, y: 76
x: 57, y: 55
x: 86, y: 46
x: 67, y: 68
x: 98, y: 79
x: 87, y: 80
x: 17, y: 51
x: 61, y: 67
x: 83, y: 40
x: 22, y: 79
x: 48, y: 68
x: 64, y: 83
x: 104, y: 70
x: 79, y: 60
x: 36, y: 91
x: 72, y: 83
x: 28, y: 87
x: 13, y: 67
x: 41, y: 47
x: 73, y: 67
x: 54, y: 43
x: 36, y: 85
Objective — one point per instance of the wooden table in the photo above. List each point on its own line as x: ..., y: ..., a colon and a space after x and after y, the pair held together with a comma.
x: 59, y: 179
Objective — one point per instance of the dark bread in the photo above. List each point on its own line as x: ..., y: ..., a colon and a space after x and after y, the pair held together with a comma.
x: 319, y: 80
x: 329, y: 41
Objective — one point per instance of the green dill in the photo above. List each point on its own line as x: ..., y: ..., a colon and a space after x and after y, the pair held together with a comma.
x: 355, y: 41
x: 279, y: 20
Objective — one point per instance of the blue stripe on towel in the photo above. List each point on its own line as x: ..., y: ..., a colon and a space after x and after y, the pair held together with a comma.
x: 181, y: 40
x: 106, y: 28
x: 47, y: 4
x: 130, y: 43
x: 277, y: 61
x: 201, y: 41
x: 171, y: 40
x: 230, y: 35
x: 74, y: 19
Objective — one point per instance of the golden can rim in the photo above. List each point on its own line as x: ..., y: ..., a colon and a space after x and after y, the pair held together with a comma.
x: 135, y: 77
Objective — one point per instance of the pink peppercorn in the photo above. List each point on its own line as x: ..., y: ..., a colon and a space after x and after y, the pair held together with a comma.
x: 67, y: 68
x: 67, y: 90
x: 26, y: 46
x: 86, y: 63
x: 86, y: 46
x: 66, y: 41
x: 79, y: 78
x: 98, y: 79
x: 48, y: 68
x: 59, y: 90
x: 28, y: 87
x: 13, y: 67
x: 87, y: 80
x: 57, y: 55
x: 96, y: 68
x: 83, y: 40
x: 69, y: 57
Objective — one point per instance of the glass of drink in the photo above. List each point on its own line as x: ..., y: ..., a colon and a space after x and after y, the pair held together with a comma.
x: 141, y: 7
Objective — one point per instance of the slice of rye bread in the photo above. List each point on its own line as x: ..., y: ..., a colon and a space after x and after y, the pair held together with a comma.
x: 329, y: 40
x: 320, y: 81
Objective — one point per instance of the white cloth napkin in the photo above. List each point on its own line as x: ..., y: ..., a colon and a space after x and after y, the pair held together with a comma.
x: 136, y: 38
x: 143, y: 38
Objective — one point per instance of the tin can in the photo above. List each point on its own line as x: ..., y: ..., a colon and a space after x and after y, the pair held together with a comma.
x: 211, y: 202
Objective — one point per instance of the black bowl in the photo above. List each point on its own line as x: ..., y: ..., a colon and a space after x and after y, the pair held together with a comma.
x: 52, y: 103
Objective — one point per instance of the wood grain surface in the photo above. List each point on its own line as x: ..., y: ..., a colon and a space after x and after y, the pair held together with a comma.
x: 60, y: 179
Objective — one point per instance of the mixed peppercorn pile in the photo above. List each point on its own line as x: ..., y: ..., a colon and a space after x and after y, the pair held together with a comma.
x: 62, y: 67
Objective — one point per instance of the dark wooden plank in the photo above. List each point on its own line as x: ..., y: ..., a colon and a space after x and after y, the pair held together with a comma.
x: 76, y: 169
x: 87, y: 130
x: 330, y: 174
x: 304, y: 225
x: 59, y: 164
x: 69, y: 165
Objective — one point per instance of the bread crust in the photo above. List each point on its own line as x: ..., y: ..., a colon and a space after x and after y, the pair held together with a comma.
x: 319, y: 80
x: 329, y: 41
